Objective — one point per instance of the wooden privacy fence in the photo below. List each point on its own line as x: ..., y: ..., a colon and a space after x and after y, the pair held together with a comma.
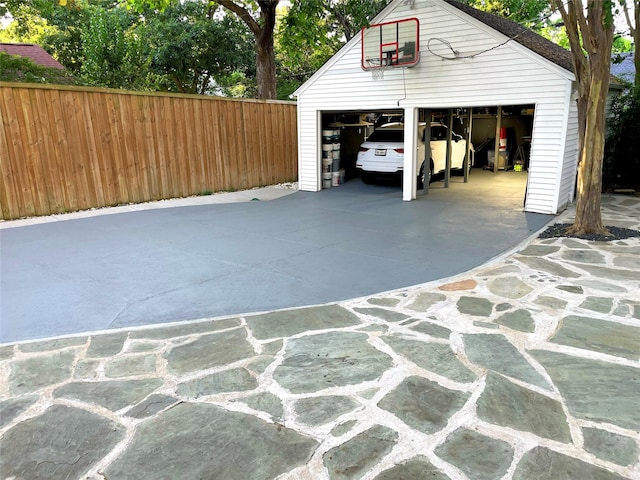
x: 64, y: 149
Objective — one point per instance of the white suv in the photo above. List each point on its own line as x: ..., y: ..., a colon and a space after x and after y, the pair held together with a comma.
x: 383, y: 152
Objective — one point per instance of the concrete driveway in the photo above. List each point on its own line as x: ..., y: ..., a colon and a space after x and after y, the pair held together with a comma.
x: 191, y: 262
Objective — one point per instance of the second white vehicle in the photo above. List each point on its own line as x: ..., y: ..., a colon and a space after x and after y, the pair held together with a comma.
x: 383, y: 152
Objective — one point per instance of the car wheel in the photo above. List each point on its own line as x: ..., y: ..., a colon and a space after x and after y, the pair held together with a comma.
x: 421, y: 178
x: 367, y: 178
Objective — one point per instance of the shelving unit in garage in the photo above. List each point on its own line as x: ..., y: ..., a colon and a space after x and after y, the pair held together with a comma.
x: 332, y: 174
x: 353, y: 128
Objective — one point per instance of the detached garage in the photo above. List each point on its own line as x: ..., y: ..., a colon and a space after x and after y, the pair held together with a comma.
x: 488, y: 79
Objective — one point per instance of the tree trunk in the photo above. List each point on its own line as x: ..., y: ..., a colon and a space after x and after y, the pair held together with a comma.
x: 263, y: 33
x: 588, y: 215
x: 591, y: 38
x: 265, y: 57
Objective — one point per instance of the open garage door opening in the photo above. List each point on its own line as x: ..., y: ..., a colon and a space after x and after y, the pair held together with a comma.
x: 368, y: 145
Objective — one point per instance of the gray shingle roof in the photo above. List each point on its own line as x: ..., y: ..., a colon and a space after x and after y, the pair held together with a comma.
x: 534, y: 42
x: 622, y: 66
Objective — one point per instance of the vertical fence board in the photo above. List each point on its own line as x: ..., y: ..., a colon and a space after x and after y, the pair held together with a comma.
x: 91, y: 112
x: 8, y: 185
x: 46, y: 176
x: 218, y: 180
x: 76, y: 131
x: 271, y: 125
x: 27, y: 174
x: 200, y: 150
x: 54, y: 174
x: 40, y: 160
x: 153, y: 178
x: 70, y: 148
x: 61, y: 140
x: 132, y: 170
x: 190, y: 148
x: 141, y: 114
x: 103, y: 136
x: 251, y: 139
x: 9, y: 145
x: 160, y: 139
x: 117, y: 150
x: 240, y: 146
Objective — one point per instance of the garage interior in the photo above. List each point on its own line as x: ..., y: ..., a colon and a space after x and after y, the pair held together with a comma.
x: 343, y: 133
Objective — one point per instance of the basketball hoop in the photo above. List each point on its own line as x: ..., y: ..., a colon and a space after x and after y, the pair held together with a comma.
x: 394, y: 44
x: 377, y: 67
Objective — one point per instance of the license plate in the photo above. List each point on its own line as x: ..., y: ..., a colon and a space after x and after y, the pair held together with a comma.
x: 381, y: 152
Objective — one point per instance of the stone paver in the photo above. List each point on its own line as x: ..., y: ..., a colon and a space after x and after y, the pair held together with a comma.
x: 354, y: 457
x: 526, y: 368
x: 505, y: 403
x: 478, y: 456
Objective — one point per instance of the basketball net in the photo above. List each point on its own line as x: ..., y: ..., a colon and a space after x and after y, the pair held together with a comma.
x: 377, y: 67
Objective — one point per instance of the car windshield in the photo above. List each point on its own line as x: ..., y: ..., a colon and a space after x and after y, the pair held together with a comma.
x: 387, y: 135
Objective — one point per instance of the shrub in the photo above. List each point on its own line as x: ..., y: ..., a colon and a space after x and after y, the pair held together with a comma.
x: 14, y: 68
x: 621, y: 167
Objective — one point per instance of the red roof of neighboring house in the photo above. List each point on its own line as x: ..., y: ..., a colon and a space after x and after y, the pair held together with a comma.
x: 32, y: 51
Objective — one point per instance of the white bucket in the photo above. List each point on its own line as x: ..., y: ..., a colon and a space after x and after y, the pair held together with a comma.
x: 335, y: 179
x: 336, y: 135
x: 328, y: 135
x: 327, y: 147
x: 336, y: 146
x: 335, y: 154
x: 327, y: 165
x: 342, y: 176
x: 327, y: 175
x: 326, y: 183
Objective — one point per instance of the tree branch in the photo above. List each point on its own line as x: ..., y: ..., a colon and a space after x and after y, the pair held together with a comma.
x: 632, y: 27
x: 268, y: 14
x: 578, y: 10
x: 571, y: 26
x: 243, y: 14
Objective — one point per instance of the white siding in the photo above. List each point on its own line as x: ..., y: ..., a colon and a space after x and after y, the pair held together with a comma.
x: 570, y: 165
x: 508, y: 75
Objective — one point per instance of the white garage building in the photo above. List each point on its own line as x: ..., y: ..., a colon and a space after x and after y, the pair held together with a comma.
x: 471, y: 62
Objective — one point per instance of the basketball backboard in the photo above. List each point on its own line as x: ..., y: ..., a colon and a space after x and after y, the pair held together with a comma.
x: 391, y: 44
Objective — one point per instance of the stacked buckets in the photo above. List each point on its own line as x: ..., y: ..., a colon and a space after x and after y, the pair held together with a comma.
x: 332, y: 175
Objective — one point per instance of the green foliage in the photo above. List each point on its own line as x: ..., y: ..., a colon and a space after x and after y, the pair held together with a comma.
x: 170, y: 47
x: 529, y: 13
x: 146, y: 5
x: 205, y: 54
x: 621, y: 167
x: 30, y: 30
x: 55, y: 27
x: 14, y: 68
x: 313, y: 31
x: 111, y: 55
x: 622, y: 44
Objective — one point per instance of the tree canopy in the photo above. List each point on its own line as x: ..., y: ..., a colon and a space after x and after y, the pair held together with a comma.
x: 183, y: 48
x: 227, y: 47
